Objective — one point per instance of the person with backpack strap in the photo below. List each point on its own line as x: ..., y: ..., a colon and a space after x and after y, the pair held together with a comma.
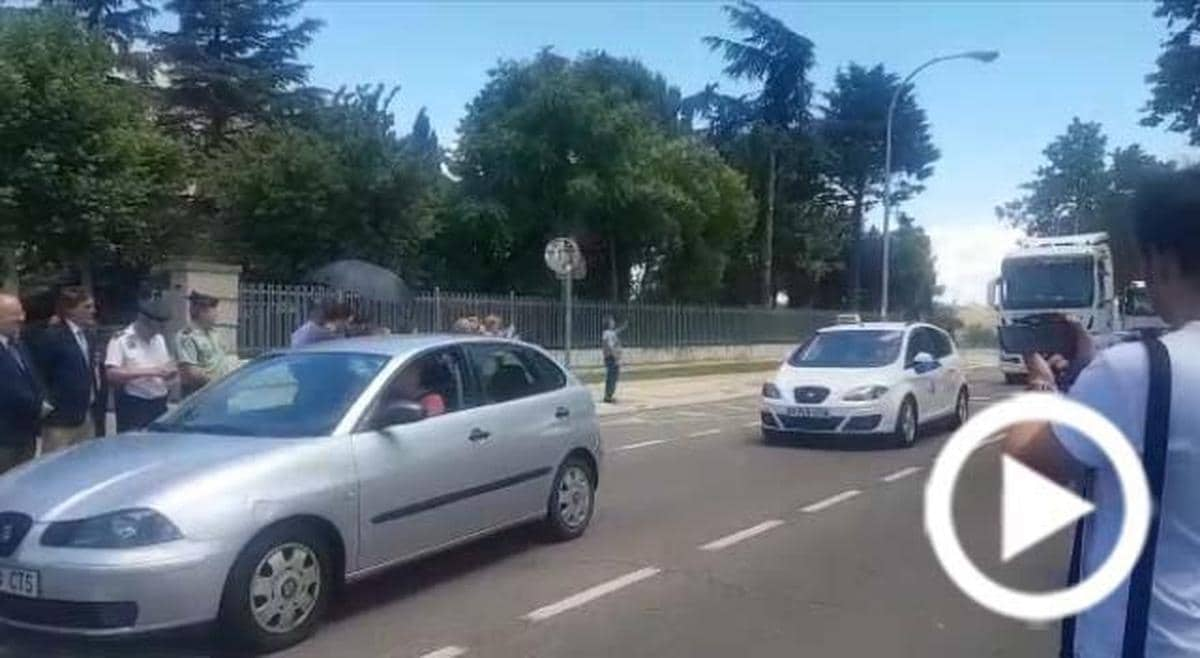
x: 1149, y: 391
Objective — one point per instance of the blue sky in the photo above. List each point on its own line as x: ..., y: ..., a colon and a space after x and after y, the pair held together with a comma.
x: 1058, y: 60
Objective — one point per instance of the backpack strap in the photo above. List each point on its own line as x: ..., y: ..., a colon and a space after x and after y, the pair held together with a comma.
x: 1154, y: 459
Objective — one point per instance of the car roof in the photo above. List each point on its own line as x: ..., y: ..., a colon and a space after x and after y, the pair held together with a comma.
x: 868, y: 326
x: 396, y: 344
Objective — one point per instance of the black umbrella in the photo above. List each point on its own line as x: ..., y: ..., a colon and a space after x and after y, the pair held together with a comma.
x: 366, y: 280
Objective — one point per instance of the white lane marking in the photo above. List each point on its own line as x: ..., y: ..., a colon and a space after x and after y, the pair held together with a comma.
x: 696, y: 435
x: 446, y: 652
x: 755, y: 425
x: 631, y: 420
x: 641, y: 444
x: 693, y: 414
x: 742, y: 535
x: 900, y: 474
x: 980, y: 398
x: 591, y: 594
x: 830, y: 501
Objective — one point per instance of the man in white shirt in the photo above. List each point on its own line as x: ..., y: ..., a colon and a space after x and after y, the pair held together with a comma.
x: 140, y: 369
x: 1115, y: 383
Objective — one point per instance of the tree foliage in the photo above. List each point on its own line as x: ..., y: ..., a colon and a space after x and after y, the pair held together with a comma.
x: 233, y: 63
x: 84, y: 174
x: 553, y: 146
x: 337, y: 184
x: 1175, y: 84
x: 913, y: 283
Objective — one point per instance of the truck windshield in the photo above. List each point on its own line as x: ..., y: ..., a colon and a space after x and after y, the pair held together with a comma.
x: 1137, y: 303
x: 1048, y: 284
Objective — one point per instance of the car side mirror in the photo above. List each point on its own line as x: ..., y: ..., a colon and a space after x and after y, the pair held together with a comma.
x: 398, y: 412
x: 924, y: 362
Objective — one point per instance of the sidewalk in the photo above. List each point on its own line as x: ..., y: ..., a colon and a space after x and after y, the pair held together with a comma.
x: 645, y: 394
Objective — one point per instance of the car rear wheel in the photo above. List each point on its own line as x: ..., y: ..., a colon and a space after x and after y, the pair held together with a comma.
x: 905, y: 433
x: 961, y: 409
x: 278, y: 589
x: 572, y: 500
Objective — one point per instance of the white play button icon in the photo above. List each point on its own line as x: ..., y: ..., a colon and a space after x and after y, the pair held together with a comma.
x: 1033, y: 508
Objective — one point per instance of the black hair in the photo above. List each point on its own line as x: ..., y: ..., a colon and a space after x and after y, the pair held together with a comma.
x: 1166, y: 218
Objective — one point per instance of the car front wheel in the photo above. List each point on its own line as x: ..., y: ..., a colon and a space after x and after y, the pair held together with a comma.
x: 572, y: 500
x: 905, y: 433
x: 278, y: 589
x: 961, y: 409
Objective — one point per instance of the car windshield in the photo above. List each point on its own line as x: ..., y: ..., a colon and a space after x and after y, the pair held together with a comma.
x: 849, y: 349
x: 1058, y: 283
x: 288, y: 395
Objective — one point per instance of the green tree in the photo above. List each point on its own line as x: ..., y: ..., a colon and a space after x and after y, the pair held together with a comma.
x: 853, y: 135
x: 1175, y: 85
x: 553, y: 146
x: 913, y: 284
x: 1067, y: 194
x: 84, y: 175
x: 335, y: 183
x: 122, y: 22
x: 772, y: 54
x: 233, y: 63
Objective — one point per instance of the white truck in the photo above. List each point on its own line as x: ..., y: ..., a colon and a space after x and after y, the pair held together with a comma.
x: 1068, y: 274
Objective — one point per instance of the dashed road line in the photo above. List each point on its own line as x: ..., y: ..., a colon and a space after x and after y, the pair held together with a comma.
x: 742, y: 535
x: 830, y: 501
x: 591, y: 594
x: 446, y: 652
x: 640, y: 444
x: 900, y: 474
x: 755, y: 425
x: 696, y: 435
x: 980, y: 398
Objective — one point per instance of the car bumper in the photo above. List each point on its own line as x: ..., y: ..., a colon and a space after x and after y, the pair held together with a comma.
x: 1011, y: 364
x: 96, y: 592
x: 873, y: 417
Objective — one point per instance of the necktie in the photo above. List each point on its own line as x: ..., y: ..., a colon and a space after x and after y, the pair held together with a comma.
x: 16, y: 355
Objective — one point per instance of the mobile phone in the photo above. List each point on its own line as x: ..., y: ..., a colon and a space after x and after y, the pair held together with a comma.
x: 1044, y: 334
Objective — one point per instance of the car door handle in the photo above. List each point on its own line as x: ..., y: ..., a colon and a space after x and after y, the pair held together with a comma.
x: 479, y: 435
x: 562, y: 412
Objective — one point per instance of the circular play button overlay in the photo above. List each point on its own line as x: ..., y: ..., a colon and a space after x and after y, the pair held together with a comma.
x: 1033, y: 508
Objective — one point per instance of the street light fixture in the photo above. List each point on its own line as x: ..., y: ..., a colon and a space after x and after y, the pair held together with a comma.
x: 984, y: 56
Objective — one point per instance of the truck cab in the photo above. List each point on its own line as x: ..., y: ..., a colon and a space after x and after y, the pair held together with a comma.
x: 1070, y: 274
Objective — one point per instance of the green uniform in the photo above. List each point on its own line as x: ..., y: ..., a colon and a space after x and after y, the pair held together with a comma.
x: 200, y: 348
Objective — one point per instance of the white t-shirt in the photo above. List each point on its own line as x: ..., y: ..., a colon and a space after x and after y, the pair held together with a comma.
x: 128, y: 350
x: 1116, y: 385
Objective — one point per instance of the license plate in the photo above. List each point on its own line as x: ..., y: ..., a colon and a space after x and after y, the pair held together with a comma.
x: 20, y: 582
x: 808, y: 412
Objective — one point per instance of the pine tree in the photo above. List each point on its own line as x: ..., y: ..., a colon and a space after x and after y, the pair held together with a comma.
x: 233, y: 63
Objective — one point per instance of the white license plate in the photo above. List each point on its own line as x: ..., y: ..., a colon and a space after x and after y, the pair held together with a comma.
x: 808, y: 412
x: 20, y: 582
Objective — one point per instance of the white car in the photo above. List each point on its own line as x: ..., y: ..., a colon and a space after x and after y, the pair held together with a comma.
x: 869, y: 378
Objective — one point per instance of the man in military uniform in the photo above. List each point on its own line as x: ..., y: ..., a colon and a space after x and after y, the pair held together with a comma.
x: 202, y: 358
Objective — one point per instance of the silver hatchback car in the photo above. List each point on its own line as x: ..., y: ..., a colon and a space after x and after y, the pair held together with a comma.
x: 260, y: 495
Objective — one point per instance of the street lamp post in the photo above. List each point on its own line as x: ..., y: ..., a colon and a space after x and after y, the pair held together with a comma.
x: 977, y: 55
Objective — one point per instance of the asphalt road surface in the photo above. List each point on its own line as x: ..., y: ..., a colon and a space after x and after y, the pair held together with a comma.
x: 706, y: 542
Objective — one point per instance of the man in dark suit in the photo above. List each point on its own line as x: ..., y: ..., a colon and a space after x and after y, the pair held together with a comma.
x: 21, y: 397
x: 65, y: 358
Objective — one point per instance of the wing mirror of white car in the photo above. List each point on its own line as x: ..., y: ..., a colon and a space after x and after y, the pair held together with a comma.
x: 924, y: 362
x: 397, y: 412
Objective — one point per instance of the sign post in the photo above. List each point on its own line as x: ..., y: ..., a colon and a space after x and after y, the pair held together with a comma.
x: 565, y: 260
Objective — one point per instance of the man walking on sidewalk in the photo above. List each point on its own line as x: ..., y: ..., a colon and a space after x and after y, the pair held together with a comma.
x: 610, y: 345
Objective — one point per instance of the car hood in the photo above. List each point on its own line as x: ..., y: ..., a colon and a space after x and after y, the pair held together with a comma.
x: 837, y: 380
x: 108, y: 474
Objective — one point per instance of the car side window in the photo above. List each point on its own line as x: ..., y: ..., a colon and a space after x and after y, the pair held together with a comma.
x: 916, y: 345
x: 436, y: 380
x: 941, y: 342
x: 549, y: 376
x: 509, y: 372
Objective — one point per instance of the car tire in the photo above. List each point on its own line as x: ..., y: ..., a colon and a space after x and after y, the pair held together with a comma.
x: 904, y: 435
x: 301, y: 553
x: 1014, y: 379
x: 962, y: 409
x: 572, y: 500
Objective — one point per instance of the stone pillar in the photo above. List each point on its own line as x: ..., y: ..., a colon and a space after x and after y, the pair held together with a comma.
x: 216, y: 279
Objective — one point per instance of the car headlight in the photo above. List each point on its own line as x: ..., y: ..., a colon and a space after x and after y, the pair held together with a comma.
x: 770, y: 390
x: 129, y: 528
x: 865, y: 393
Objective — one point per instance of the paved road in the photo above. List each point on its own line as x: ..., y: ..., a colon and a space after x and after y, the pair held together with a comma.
x: 706, y: 542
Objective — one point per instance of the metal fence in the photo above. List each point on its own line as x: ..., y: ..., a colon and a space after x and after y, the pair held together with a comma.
x: 268, y: 313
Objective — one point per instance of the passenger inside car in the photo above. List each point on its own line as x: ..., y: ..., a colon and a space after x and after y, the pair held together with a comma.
x: 426, y: 382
